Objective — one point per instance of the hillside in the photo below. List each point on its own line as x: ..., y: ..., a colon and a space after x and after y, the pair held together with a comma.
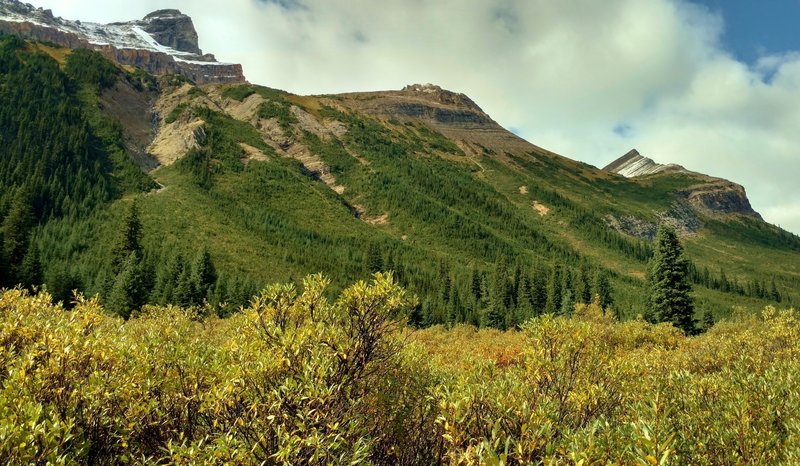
x: 420, y: 181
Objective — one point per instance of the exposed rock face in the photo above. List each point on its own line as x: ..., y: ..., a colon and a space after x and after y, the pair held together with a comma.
x: 720, y: 197
x: 453, y: 114
x: 172, y: 29
x: 163, y: 42
x: 635, y: 164
x: 709, y: 197
x: 680, y: 216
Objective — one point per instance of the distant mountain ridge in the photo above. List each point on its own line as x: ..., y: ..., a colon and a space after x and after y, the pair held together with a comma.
x: 163, y: 42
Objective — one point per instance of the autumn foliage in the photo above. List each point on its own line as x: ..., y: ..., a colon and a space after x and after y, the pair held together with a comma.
x: 298, y: 378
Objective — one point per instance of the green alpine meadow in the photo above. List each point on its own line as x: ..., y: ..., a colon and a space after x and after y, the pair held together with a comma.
x: 195, y: 269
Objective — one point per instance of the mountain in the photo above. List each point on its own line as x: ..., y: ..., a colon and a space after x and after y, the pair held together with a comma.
x: 635, y: 164
x: 164, y: 42
x: 709, y: 196
x: 482, y: 225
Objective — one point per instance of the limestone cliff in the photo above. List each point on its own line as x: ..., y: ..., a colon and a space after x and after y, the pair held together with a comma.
x: 164, y: 42
x: 710, y: 196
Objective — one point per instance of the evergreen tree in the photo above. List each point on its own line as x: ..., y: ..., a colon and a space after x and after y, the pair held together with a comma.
x: 602, y: 289
x: 554, y: 290
x: 515, y: 284
x: 61, y: 282
x: 708, y: 320
x: 455, y: 310
x: 668, y: 284
x: 204, y: 276
x: 445, y: 283
x: 128, y: 239
x: 567, y: 295
x: 538, y: 293
x: 4, y: 280
x: 583, y: 291
x: 17, y: 227
x: 476, y: 284
x: 415, y: 317
x: 128, y: 292
x: 30, y: 273
x: 373, y: 260
x: 499, y: 296
x: 524, y: 301
x: 185, y: 293
x: 774, y: 294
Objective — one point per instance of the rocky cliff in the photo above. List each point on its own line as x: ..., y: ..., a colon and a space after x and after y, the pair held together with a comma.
x: 635, y: 164
x: 164, y: 42
x: 710, y: 196
x: 453, y: 114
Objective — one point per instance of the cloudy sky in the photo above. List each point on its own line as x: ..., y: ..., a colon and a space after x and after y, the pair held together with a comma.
x: 713, y: 85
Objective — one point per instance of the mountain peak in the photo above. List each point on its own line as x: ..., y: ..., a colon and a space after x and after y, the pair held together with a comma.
x: 163, y: 42
x: 437, y: 94
x: 164, y: 14
x: 634, y: 164
x: 173, y: 29
x: 709, y: 195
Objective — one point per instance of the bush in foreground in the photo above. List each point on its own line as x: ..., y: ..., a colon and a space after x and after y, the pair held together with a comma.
x: 298, y: 379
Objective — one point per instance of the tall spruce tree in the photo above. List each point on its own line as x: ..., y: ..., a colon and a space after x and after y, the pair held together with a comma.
x: 17, y: 227
x: 204, y: 276
x: 373, y: 259
x: 603, y: 290
x: 538, y: 292
x: 555, y: 290
x: 584, y: 286
x: 669, y: 290
x: 128, y: 239
x: 128, y: 293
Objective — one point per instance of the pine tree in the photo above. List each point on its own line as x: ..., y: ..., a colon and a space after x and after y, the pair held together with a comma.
x: 17, y: 228
x: 774, y: 294
x: 476, y: 284
x: 567, y: 295
x: 602, y: 289
x: 373, y: 260
x: 584, y: 287
x: 128, y: 239
x: 185, y: 291
x: 204, y: 276
x: 3, y: 262
x: 538, y: 293
x: 554, y: 290
x: 668, y: 283
x: 445, y: 283
x: 524, y: 301
x: 61, y: 282
x: 708, y: 320
x: 499, y: 296
x: 30, y: 273
x: 128, y: 292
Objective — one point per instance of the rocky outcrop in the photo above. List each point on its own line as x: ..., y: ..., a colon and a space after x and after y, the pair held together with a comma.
x: 635, y: 164
x: 680, y: 216
x: 710, y: 196
x: 453, y: 114
x: 173, y: 29
x: 720, y: 197
x: 164, y: 42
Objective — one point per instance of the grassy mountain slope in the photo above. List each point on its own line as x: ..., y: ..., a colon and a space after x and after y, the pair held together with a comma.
x: 277, y: 186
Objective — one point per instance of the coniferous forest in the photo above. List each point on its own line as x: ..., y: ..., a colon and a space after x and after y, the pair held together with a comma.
x: 439, y: 301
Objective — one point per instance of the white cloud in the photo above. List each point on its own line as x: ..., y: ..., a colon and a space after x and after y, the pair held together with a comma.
x: 565, y: 75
